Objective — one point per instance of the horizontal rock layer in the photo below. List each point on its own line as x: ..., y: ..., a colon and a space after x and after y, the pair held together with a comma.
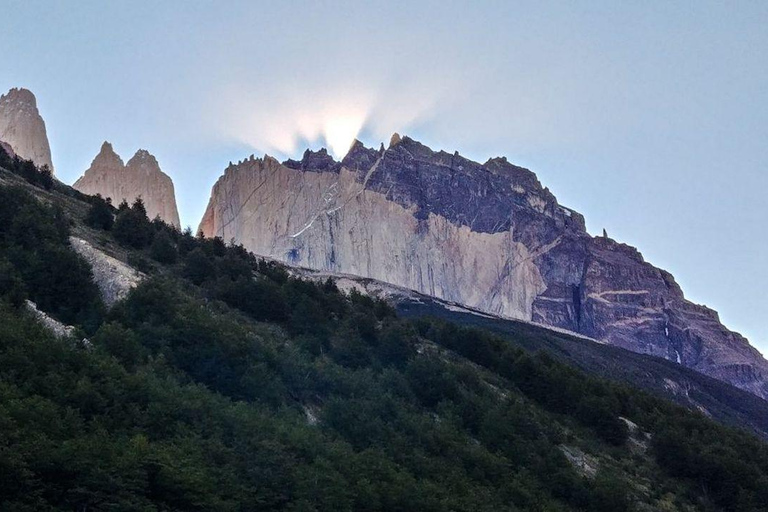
x: 485, y: 235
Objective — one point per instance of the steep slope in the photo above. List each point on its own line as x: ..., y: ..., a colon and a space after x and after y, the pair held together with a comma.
x: 222, y: 383
x: 487, y: 236
x: 141, y: 177
x: 22, y: 127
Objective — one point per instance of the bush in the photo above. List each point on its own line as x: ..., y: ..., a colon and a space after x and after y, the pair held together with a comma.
x: 262, y: 300
x: 199, y: 267
x: 132, y: 227
x: 163, y: 249
x: 101, y: 214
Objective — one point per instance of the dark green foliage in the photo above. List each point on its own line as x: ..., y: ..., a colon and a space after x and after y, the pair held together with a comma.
x: 140, y: 263
x: 38, y: 262
x: 199, y: 266
x: 42, y: 177
x: 12, y: 287
x: 731, y: 467
x: 132, y: 228
x: 163, y: 248
x: 261, y: 299
x: 222, y: 383
x: 101, y: 213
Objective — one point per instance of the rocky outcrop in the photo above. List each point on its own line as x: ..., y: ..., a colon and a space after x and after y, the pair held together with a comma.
x: 23, y: 129
x: 141, y: 177
x: 113, y: 277
x: 8, y: 149
x: 54, y: 326
x: 487, y: 236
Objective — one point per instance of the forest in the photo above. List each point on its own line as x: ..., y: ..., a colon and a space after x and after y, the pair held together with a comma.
x: 223, y: 382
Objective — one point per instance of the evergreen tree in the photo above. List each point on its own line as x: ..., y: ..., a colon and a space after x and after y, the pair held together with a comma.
x: 132, y: 227
x: 199, y: 267
x: 163, y: 248
x: 100, y: 215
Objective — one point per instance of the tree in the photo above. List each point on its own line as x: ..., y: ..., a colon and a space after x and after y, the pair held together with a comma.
x: 45, y: 177
x: 132, y: 227
x: 163, y: 249
x: 100, y: 215
x: 199, y: 267
x: 11, y: 284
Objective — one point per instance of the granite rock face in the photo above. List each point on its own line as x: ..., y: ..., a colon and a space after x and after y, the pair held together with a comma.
x: 140, y: 177
x: 23, y: 129
x: 488, y: 236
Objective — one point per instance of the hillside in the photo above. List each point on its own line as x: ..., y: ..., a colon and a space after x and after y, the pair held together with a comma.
x: 221, y: 382
x: 488, y: 236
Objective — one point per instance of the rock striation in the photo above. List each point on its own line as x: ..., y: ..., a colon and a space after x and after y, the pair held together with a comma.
x: 487, y: 236
x: 140, y: 177
x: 23, y: 129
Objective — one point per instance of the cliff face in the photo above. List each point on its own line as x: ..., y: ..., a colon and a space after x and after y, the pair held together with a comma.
x: 140, y: 177
x: 488, y: 236
x: 23, y: 129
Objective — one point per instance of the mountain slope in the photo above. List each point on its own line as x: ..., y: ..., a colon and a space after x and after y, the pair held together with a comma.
x: 486, y: 236
x: 223, y: 383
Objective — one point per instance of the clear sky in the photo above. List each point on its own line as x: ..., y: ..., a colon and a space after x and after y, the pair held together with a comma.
x: 651, y: 118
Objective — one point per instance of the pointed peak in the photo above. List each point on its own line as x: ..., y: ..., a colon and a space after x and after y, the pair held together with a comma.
x: 107, y: 157
x: 106, y: 147
x: 361, y: 157
x: 142, y: 157
x: 319, y: 160
x: 395, y: 140
x: 356, y: 144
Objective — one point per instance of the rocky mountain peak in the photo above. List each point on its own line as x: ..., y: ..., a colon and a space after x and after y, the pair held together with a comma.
x: 22, y: 127
x: 107, y: 158
x: 394, y: 140
x: 140, y: 177
x: 487, y: 236
x: 319, y: 160
x: 21, y: 97
x: 145, y: 161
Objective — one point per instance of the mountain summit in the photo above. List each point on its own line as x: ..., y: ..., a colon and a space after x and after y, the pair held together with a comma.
x: 22, y: 127
x: 488, y: 236
x: 140, y: 177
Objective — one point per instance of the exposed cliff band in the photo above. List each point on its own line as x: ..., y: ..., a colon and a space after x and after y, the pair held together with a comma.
x: 22, y: 127
x: 140, y: 177
x: 485, y: 235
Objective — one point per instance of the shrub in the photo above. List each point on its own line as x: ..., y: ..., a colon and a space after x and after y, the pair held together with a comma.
x: 132, y: 227
x: 163, y: 249
x: 101, y: 214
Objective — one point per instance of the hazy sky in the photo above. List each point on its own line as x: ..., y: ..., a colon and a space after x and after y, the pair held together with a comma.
x: 651, y: 118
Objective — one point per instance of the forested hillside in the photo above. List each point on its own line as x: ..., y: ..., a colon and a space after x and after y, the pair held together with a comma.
x: 223, y: 383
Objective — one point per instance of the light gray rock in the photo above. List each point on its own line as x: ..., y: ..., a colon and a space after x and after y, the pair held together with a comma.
x: 485, y: 236
x: 113, y: 277
x: 57, y: 328
x: 141, y: 177
x: 22, y: 127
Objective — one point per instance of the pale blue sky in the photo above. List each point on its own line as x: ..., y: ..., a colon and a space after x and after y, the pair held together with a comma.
x: 651, y: 118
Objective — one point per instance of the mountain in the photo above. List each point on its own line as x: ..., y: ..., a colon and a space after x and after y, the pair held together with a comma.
x: 215, y: 380
x: 140, y: 177
x: 487, y: 236
x: 22, y: 127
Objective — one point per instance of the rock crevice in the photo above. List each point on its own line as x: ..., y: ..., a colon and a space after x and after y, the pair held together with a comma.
x: 487, y: 236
